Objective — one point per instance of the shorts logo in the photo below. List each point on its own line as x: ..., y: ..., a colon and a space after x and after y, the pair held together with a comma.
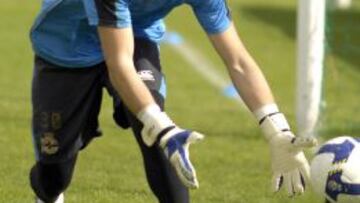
x: 49, y: 144
x: 146, y: 75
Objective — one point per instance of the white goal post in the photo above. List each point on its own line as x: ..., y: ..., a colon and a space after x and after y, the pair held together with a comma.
x: 310, y: 43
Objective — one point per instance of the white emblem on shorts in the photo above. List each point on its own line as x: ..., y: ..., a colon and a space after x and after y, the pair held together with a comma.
x: 49, y: 144
x: 146, y: 75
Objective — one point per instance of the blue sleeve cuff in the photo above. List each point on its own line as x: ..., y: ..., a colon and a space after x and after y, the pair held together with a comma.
x: 115, y: 15
x: 213, y: 15
x: 220, y: 28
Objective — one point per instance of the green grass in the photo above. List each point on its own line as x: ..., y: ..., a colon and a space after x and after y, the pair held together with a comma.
x: 232, y: 163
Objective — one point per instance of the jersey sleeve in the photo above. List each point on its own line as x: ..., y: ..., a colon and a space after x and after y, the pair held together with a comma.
x: 108, y: 13
x: 213, y: 15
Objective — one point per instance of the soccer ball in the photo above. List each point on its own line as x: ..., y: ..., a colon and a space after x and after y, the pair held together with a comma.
x: 335, y: 170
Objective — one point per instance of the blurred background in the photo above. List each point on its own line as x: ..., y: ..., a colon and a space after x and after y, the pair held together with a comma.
x: 233, y: 162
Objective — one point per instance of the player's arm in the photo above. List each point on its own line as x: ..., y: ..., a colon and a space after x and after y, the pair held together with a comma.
x: 117, y: 42
x: 243, y: 70
x: 288, y: 161
x: 290, y: 167
x: 118, y: 50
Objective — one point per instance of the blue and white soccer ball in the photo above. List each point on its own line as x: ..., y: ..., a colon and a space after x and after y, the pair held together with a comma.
x: 335, y: 170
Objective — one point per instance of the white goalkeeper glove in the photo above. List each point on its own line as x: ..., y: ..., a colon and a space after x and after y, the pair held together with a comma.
x: 289, y: 164
x: 173, y: 140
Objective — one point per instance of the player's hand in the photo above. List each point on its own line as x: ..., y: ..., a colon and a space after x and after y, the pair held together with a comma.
x: 289, y: 164
x: 175, y: 144
x: 173, y: 140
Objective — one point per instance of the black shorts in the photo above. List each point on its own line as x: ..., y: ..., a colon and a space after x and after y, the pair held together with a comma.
x: 66, y: 102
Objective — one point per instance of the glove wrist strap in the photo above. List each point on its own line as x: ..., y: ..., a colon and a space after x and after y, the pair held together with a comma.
x: 265, y: 110
x: 154, y: 121
x: 271, y: 121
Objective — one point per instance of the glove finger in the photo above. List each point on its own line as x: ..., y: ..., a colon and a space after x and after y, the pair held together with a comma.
x: 184, y: 168
x: 288, y: 184
x: 297, y: 182
x: 194, y: 137
x: 305, y: 173
x: 277, y: 182
x: 304, y: 142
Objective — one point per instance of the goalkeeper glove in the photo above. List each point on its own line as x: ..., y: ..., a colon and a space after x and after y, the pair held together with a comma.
x: 172, y: 140
x: 289, y: 164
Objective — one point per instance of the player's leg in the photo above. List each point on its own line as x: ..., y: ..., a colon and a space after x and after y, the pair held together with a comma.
x: 65, y: 103
x: 161, y: 176
x: 49, y: 180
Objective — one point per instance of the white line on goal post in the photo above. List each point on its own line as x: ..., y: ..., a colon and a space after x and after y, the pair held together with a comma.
x: 202, y: 65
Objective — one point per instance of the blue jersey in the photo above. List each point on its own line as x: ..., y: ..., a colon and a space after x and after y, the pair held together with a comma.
x: 65, y: 34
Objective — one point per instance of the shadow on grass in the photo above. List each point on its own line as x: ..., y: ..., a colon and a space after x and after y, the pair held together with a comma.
x: 343, y: 29
x: 350, y: 130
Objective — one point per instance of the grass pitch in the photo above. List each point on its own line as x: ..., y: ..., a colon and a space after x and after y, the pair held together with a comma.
x: 232, y: 163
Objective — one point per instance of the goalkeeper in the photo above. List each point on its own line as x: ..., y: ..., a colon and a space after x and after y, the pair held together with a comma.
x: 72, y: 40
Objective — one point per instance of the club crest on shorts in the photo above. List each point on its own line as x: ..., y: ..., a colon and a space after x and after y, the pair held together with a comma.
x: 146, y: 75
x: 49, y: 144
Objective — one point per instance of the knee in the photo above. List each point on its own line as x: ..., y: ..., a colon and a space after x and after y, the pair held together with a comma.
x: 50, y: 180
